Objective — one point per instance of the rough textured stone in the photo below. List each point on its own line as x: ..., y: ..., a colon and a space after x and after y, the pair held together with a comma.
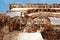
x: 23, y: 36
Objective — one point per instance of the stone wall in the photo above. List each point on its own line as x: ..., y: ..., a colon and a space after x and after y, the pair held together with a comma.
x: 34, y: 6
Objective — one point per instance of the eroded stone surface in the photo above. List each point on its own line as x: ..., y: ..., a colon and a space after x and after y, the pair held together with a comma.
x: 23, y: 36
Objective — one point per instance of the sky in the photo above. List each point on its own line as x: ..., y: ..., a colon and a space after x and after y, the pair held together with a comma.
x: 4, y: 4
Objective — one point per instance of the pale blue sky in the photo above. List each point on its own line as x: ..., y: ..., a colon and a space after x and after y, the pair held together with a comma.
x: 4, y: 4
